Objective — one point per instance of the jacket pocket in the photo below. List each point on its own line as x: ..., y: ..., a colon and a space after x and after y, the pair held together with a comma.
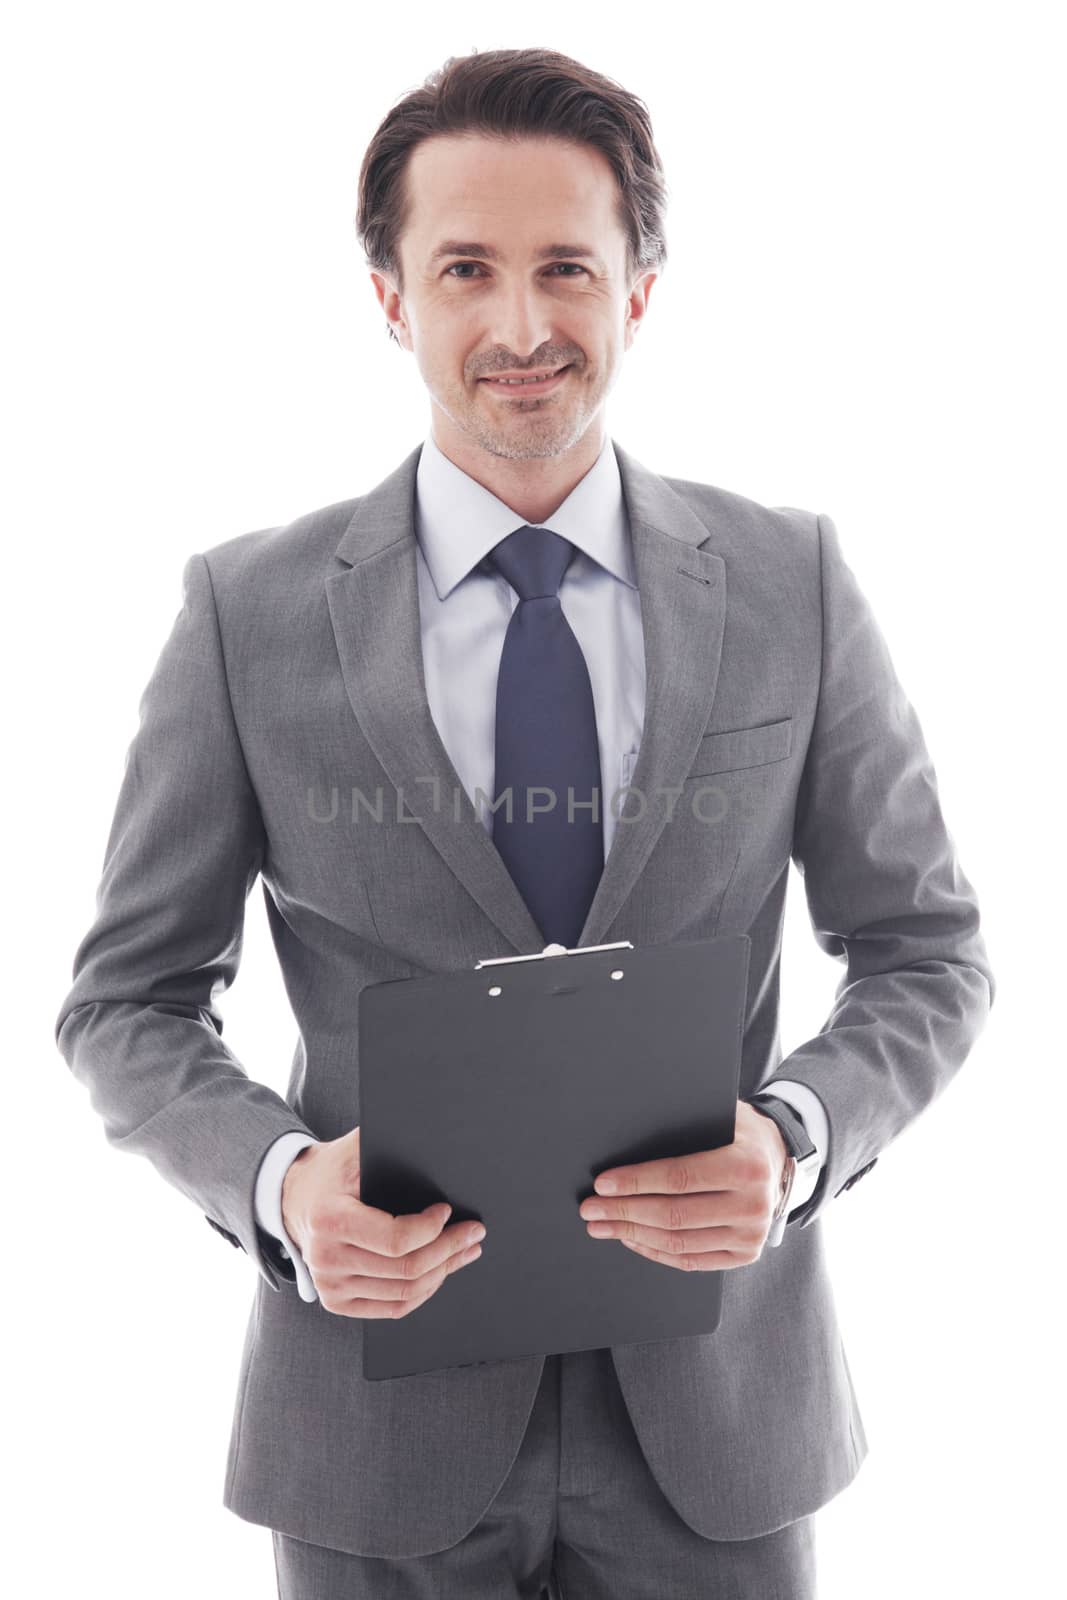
x: 743, y: 747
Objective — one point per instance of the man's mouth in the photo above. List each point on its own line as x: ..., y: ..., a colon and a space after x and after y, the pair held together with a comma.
x: 515, y: 383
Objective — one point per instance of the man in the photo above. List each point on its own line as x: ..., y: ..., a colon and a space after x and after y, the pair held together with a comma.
x: 521, y: 600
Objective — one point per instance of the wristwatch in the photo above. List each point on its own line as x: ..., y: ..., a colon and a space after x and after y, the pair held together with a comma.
x: 802, y: 1156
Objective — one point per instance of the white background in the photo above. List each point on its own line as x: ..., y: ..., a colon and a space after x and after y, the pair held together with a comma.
x: 858, y: 317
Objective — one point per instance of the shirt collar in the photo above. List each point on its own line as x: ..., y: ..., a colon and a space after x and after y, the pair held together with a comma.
x: 458, y: 521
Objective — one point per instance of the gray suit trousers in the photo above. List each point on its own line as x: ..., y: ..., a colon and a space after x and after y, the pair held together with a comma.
x: 579, y: 1517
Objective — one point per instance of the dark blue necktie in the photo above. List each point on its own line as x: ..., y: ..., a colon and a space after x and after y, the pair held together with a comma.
x: 546, y: 739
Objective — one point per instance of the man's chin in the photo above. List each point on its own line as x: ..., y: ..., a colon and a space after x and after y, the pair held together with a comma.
x: 516, y: 443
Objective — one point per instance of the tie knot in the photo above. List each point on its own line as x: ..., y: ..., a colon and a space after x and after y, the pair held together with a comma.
x: 533, y: 560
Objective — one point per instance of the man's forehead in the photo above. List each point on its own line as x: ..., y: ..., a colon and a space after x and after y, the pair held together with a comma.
x: 449, y: 171
x: 475, y: 198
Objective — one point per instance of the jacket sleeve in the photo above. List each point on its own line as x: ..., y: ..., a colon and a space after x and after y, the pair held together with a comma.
x: 140, y: 1028
x: 886, y: 896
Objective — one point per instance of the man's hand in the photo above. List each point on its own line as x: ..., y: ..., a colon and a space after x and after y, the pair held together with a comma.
x: 365, y: 1262
x: 699, y: 1212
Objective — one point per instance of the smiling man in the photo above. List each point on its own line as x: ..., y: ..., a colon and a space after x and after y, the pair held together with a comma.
x: 514, y: 267
x: 522, y: 610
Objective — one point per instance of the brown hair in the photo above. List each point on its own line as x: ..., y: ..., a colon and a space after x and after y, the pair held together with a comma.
x: 512, y: 94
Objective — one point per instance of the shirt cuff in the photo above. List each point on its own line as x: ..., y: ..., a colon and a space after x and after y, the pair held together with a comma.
x: 268, y: 1201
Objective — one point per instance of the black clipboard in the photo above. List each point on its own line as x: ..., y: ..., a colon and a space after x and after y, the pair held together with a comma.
x: 504, y: 1091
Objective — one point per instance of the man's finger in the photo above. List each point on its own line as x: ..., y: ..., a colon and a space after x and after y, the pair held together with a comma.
x: 702, y: 1172
x: 709, y: 1261
x: 707, y: 1209
x: 386, y: 1234
x: 671, y: 1242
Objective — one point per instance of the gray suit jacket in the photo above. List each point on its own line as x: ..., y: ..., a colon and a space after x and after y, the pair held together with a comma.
x: 294, y: 672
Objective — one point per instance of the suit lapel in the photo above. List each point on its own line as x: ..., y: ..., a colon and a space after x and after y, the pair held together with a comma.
x: 374, y: 610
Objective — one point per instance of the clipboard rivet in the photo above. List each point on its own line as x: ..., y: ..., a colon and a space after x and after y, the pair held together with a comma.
x: 495, y: 989
x: 617, y: 973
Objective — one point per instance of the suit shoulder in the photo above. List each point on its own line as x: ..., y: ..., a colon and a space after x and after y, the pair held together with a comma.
x: 287, y: 554
x: 728, y: 512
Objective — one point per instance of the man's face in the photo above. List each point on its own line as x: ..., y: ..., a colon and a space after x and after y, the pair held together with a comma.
x: 467, y: 315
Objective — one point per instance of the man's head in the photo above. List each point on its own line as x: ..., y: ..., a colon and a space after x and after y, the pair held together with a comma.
x: 499, y: 158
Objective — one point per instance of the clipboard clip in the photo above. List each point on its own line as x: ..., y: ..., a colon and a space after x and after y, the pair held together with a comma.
x: 554, y: 950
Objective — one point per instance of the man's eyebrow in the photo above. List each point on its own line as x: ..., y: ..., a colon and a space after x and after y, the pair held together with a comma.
x: 464, y: 247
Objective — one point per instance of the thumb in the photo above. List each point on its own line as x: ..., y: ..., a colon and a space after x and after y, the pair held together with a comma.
x: 348, y: 1145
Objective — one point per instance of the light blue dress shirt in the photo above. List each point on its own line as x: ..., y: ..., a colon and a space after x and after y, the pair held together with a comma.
x: 463, y: 616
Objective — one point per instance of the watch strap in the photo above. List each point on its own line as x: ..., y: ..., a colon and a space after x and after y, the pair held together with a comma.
x: 789, y: 1122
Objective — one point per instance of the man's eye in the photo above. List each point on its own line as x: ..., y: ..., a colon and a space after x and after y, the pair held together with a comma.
x: 456, y: 264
